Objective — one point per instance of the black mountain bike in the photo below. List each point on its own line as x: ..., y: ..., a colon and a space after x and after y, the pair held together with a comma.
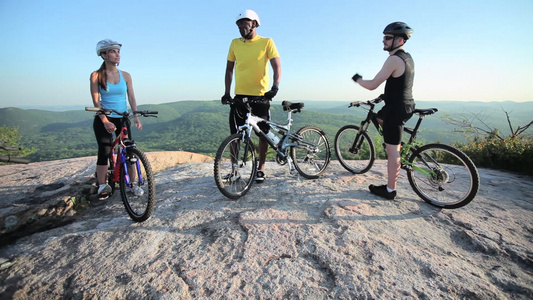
x: 440, y: 174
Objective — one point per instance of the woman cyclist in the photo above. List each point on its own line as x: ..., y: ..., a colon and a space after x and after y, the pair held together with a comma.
x: 109, y: 88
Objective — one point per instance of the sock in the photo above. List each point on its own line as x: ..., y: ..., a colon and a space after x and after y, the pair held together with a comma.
x: 390, y: 190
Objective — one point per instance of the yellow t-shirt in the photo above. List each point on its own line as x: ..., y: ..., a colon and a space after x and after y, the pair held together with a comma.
x: 251, y: 59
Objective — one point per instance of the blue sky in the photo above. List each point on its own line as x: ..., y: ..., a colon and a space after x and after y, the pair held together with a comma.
x: 175, y: 50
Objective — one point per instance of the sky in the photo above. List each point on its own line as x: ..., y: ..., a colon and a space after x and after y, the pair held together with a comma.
x: 176, y: 50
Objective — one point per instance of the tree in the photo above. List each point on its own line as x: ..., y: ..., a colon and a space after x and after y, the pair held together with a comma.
x: 467, y: 124
x: 10, y: 137
x: 489, y: 147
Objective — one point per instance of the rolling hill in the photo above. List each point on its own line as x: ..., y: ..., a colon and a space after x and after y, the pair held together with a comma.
x: 200, y: 126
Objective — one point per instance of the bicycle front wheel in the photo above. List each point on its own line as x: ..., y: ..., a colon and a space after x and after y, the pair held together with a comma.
x: 312, y: 153
x: 355, y: 151
x: 137, y: 186
x: 443, y: 176
x: 235, y: 166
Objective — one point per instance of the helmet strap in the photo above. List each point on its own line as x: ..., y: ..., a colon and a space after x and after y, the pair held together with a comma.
x: 250, y: 33
x: 392, y: 48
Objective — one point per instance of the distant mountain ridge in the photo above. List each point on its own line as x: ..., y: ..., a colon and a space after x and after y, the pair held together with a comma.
x: 200, y: 126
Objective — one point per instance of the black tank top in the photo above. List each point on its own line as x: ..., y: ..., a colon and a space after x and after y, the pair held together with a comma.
x: 399, y: 91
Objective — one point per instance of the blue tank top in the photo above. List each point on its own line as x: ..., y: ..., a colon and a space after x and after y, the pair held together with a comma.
x: 115, y: 96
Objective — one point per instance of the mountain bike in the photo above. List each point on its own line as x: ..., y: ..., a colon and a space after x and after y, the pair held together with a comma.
x: 130, y: 168
x: 441, y: 175
x: 306, y: 152
x: 12, y: 159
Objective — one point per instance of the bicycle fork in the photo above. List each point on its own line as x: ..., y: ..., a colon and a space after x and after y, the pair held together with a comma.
x: 358, y: 141
x: 126, y: 161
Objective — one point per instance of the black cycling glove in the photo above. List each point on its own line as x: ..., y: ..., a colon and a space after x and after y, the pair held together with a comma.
x: 356, y: 77
x: 226, y: 99
x: 270, y: 94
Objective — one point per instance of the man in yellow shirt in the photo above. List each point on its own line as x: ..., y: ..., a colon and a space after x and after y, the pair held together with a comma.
x: 249, y: 56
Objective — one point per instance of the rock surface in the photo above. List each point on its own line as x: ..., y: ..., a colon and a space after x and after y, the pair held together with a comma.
x: 288, y: 238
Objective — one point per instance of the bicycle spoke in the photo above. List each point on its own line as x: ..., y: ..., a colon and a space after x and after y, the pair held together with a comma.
x: 443, y: 176
x: 235, y: 166
x: 137, y: 187
x: 355, y: 151
x: 312, y: 154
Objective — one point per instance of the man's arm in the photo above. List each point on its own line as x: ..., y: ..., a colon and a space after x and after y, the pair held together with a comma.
x: 227, y: 82
x: 229, y: 77
x: 276, y: 67
x: 392, y: 64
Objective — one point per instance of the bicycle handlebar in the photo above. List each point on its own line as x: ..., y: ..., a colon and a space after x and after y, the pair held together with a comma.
x: 245, y: 100
x: 368, y: 102
x: 144, y: 113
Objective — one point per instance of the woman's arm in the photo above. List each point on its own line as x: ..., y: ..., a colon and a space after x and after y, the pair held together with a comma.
x: 131, y: 98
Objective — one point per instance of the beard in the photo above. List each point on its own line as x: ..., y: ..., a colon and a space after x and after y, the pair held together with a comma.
x: 246, y: 32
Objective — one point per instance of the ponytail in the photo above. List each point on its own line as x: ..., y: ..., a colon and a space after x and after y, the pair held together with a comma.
x: 102, y: 76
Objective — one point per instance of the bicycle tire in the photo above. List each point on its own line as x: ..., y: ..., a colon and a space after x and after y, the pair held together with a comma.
x: 455, y: 179
x: 138, y: 207
x: 234, y: 173
x: 312, y: 154
x: 361, y: 161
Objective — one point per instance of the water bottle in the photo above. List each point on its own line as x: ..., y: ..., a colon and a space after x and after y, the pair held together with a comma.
x: 274, y: 138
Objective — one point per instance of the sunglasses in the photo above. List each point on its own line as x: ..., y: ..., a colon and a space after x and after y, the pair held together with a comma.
x: 388, y: 37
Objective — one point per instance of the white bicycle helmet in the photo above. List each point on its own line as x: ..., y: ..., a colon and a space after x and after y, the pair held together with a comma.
x: 105, y: 45
x: 249, y: 14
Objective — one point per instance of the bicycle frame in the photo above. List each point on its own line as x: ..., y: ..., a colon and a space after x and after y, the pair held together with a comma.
x: 123, y: 142
x: 117, y: 160
x: 405, y: 147
x: 252, y: 123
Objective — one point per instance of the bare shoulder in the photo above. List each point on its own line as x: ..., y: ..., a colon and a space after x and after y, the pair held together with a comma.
x: 126, y: 75
x: 394, y: 59
x: 394, y: 63
x: 94, y: 76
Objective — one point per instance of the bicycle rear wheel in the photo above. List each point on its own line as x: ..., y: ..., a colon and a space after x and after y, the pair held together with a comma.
x: 137, y: 186
x: 312, y: 154
x: 452, y: 179
x: 357, y: 158
x: 235, y: 166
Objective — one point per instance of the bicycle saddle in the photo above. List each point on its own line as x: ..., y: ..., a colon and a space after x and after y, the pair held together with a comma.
x: 292, y: 106
x: 426, y: 111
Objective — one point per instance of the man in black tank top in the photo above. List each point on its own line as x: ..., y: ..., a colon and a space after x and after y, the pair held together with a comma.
x: 398, y: 71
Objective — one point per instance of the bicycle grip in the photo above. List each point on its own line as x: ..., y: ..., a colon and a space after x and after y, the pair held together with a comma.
x: 92, y: 108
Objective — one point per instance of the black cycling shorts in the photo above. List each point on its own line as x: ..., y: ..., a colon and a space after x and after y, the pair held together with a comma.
x: 394, y: 118
x: 238, y: 111
x: 105, y: 139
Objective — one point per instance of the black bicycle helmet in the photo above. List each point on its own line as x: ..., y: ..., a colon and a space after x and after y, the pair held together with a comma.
x: 399, y: 29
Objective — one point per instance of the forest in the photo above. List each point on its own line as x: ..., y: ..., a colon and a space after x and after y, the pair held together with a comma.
x: 200, y: 126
